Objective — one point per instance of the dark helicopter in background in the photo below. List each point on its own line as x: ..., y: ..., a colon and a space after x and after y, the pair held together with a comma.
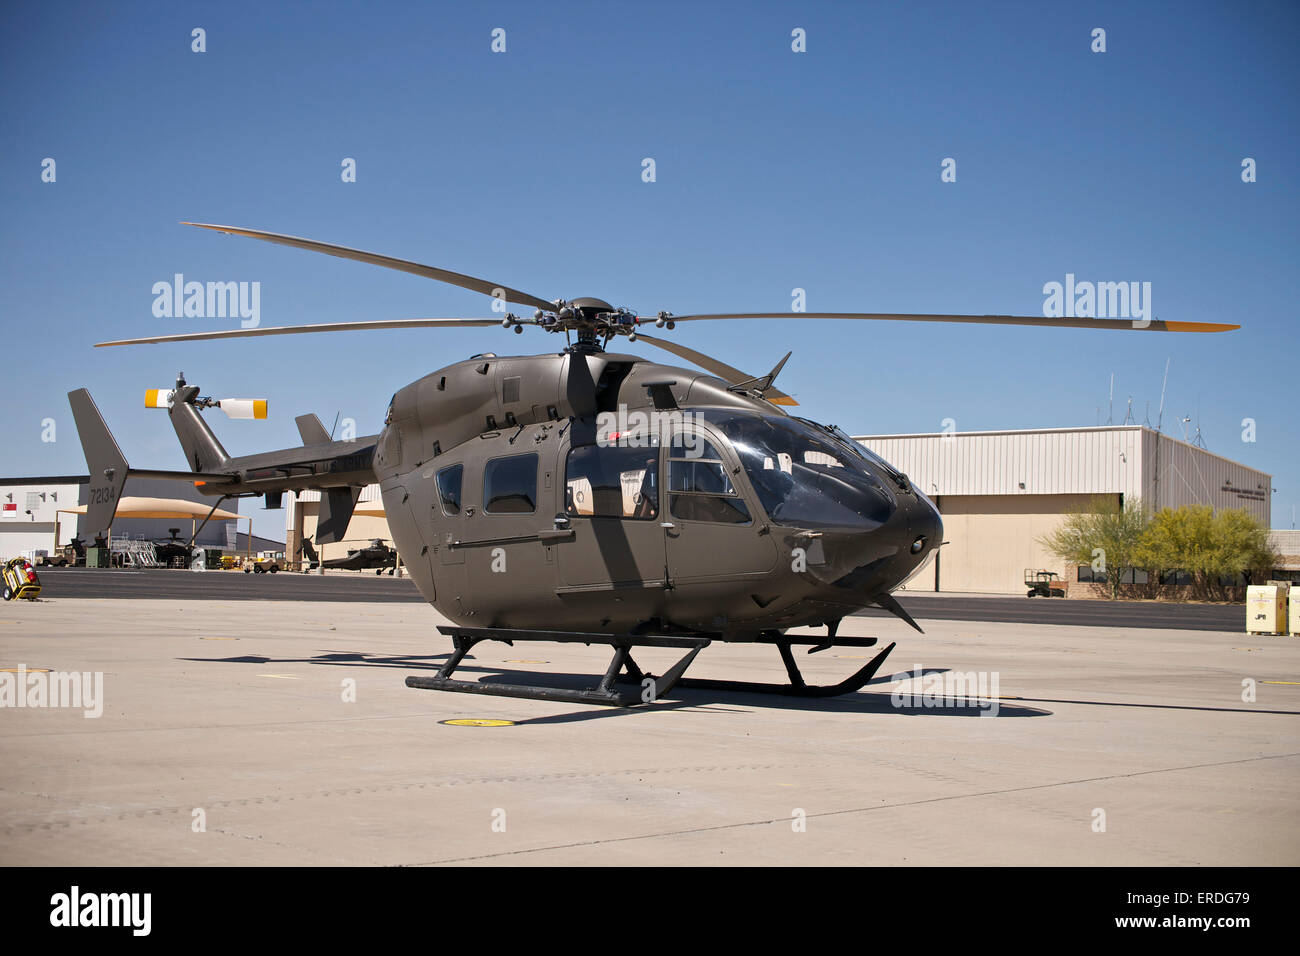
x: 376, y: 555
x: 592, y: 496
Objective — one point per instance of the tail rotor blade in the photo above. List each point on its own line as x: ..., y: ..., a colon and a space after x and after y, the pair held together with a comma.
x: 243, y: 408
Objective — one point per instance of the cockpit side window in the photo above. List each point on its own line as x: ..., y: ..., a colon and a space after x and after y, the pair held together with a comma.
x: 699, y: 488
x: 510, y: 485
x: 449, y: 481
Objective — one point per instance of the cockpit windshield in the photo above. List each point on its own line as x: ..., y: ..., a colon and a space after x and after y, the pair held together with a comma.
x: 861, y: 451
x: 804, y: 478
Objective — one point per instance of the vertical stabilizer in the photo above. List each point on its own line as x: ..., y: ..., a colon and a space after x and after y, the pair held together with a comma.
x: 311, y: 429
x: 107, y: 464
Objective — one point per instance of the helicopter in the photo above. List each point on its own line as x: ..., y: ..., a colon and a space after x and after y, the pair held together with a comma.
x: 375, y: 555
x: 591, y: 496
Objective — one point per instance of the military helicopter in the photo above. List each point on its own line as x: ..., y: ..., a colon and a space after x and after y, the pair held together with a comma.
x: 591, y: 496
x: 376, y: 555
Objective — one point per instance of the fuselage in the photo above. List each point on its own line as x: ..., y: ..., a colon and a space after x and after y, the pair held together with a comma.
x: 604, y: 493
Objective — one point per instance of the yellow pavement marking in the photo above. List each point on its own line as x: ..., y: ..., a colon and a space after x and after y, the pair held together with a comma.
x: 1280, y: 682
x: 477, y: 722
x: 30, y: 670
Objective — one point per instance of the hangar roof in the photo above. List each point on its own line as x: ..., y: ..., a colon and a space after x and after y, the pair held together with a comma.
x: 1131, y: 460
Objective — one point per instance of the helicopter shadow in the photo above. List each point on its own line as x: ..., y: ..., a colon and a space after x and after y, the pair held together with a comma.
x: 907, y: 675
x: 681, y: 698
x: 685, y: 697
x: 742, y: 701
x: 432, y: 662
x: 745, y: 702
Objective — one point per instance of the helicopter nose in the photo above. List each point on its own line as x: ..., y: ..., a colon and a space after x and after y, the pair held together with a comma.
x: 918, y: 530
x: 926, y: 527
x: 888, y: 555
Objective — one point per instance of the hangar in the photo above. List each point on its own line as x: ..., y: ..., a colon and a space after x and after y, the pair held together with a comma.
x: 302, y: 510
x: 34, y: 510
x: 999, y: 491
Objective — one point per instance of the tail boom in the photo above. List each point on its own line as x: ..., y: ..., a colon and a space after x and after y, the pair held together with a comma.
x: 341, y: 468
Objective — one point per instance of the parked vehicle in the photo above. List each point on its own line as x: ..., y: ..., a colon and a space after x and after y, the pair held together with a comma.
x: 1044, y: 584
x: 20, y: 580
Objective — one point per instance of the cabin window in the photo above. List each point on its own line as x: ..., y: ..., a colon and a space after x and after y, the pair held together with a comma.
x: 510, y: 485
x: 698, y: 485
x: 449, y: 489
x: 609, y: 481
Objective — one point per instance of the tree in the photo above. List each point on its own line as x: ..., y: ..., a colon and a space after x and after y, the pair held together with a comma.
x: 1208, y: 545
x: 1103, y: 534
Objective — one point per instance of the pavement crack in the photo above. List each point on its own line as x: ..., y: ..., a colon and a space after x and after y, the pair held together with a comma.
x: 687, y: 831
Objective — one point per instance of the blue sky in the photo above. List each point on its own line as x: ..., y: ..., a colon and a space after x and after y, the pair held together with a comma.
x: 775, y: 170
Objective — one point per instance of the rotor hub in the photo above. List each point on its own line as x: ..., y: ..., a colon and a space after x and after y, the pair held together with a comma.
x: 593, y: 320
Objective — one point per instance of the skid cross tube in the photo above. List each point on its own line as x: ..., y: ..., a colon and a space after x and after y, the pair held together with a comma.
x: 796, y: 687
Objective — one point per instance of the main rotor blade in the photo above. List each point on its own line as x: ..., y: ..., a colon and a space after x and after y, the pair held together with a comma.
x: 733, y: 376
x: 304, y: 329
x: 1155, y: 325
x: 415, y: 268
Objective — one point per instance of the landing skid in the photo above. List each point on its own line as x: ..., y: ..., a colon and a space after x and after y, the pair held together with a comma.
x: 796, y: 687
x: 623, y: 669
